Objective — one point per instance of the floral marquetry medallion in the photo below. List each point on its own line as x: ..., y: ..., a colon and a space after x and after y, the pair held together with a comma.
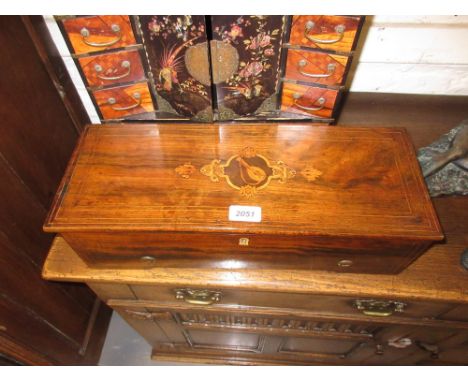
x: 248, y: 171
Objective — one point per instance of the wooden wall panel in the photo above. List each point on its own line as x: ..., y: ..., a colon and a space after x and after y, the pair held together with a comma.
x: 37, y: 136
x: 62, y: 312
x: 40, y: 322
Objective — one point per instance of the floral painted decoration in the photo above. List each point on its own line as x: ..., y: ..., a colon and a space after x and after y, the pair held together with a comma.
x: 258, y: 41
x: 169, y: 38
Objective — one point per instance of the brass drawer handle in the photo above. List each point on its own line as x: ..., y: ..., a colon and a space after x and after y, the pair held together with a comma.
x: 114, y: 27
x: 379, y: 308
x: 198, y: 296
x: 124, y: 64
x: 339, y: 29
x: 330, y: 70
x: 321, y: 101
x: 136, y: 96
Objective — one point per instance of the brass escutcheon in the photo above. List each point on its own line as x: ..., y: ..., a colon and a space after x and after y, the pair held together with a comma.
x: 244, y: 241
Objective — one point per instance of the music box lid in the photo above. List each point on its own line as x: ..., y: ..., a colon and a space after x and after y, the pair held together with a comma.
x: 307, y: 179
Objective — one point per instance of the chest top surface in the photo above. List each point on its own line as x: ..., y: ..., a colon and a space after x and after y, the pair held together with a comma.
x: 307, y: 179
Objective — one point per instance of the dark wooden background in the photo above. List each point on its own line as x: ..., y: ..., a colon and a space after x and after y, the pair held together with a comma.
x: 40, y: 322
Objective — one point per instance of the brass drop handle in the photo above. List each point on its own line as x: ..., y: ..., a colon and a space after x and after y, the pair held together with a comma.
x: 330, y: 70
x: 431, y: 348
x: 136, y: 96
x: 339, y: 29
x: 379, y: 308
x: 124, y: 64
x: 85, y: 34
x: 197, y: 296
x: 321, y: 101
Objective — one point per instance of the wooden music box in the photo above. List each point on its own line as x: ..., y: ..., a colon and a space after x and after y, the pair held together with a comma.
x: 290, y: 196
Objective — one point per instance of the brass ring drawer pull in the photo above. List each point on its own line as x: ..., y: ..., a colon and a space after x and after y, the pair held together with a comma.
x: 124, y: 64
x: 330, y: 70
x: 339, y: 29
x: 85, y: 35
x: 379, y: 308
x: 136, y: 96
x: 321, y: 101
x: 198, y: 297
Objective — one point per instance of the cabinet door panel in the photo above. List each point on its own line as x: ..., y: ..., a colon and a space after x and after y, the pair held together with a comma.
x: 245, y: 57
x: 177, y: 50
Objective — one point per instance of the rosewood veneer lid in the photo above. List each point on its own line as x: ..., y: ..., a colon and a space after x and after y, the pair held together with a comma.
x: 307, y: 179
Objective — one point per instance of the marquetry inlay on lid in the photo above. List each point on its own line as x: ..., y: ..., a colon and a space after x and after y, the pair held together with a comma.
x: 307, y: 179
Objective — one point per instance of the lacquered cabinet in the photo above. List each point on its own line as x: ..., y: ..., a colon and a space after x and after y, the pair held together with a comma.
x: 207, y: 68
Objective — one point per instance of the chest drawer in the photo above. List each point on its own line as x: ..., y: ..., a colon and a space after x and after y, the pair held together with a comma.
x: 96, y: 33
x: 112, y: 68
x: 316, y: 67
x: 123, y: 101
x: 352, y: 307
x: 337, y: 33
x: 312, y: 101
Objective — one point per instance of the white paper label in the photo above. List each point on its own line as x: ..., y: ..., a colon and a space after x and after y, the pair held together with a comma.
x: 245, y: 214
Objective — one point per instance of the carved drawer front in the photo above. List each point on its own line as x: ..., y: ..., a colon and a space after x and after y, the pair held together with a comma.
x: 96, y: 33
x: 312, y: 101
x: 275, y: 336
x: 279, y: 336
x: 377, y: 309
x: 123, y: 101
x: 337, y: 33
x: 112, y: 68
x: 317, y: 67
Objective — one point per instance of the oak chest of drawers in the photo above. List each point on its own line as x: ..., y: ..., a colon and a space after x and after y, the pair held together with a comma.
x: 274, y: 316
x: 164, y: 196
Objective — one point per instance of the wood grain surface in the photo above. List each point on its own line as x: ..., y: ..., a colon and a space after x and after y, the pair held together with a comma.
x: 159, y: 184
x: 112, y: 68
x: 303, y: 99
x: 100, y: 32
x: 41, y: 322
x: 125, y: 177
x: 316, y: 63
x: 129, y: 100
x: 324, y: 29
x: 435, y: 276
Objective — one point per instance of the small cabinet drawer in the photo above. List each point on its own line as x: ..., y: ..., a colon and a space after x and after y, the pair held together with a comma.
x: 112, y: 68
x: 308, y: 100
x: 337, y: 33
x: 97, y: 33
x: 317, y: 67
x: 123, y: 101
